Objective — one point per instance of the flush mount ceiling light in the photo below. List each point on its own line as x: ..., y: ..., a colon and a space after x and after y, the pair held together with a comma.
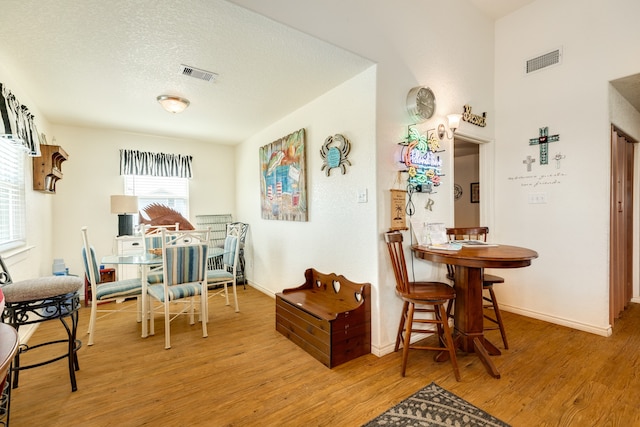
x: 173, y: 104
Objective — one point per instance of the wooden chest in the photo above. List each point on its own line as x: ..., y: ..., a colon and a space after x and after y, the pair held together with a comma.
x: 328, y: 316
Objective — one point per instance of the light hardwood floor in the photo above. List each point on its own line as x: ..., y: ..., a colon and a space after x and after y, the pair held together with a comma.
x: 247, y: 374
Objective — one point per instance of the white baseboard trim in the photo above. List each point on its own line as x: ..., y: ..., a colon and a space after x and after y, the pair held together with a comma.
x: 25, y: 332
x: 261, y: 289
x: 636, y: 300
x: 598, y: 330
x: 381, y: 351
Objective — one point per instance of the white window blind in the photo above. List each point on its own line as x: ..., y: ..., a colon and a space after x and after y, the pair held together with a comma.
x: 12, y: 197
x: 168, y: 191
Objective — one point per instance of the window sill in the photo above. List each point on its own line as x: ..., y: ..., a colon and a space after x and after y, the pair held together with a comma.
x: 16, y: 254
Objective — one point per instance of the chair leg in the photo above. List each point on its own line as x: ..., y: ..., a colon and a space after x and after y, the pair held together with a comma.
x: 403, y: 316
x: 449, y: 340
x: 192, y: 318
x: 235, y: 296
x: 496, y: 309
x: 167, y: 326
x: 407, y: 337
x: 450, y: 308
x: 150, y: 317
x: 92, y: 321
x: 139, y: 309
x: 242, y: 265
x: 204, y: 308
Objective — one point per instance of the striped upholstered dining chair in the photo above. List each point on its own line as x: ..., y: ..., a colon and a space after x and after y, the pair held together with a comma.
x: 184, y: 277
x: 227, y: 274
x: 151, y: 242
x: 106, y: 292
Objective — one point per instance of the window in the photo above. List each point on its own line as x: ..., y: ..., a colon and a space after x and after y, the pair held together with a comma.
x: 12, y: 198
x: 168, y: 191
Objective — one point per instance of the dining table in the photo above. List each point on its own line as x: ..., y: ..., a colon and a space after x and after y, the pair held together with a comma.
x: 470, y: 262
x: 147, y: 262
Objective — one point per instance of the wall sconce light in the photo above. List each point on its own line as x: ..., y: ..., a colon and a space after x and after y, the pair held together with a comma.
x: 123, y: 206
x: 453, y: 122
x: 173, y: 104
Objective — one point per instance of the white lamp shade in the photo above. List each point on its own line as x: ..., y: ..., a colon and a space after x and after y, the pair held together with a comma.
x: 124, y: 204
x: 454, y: 121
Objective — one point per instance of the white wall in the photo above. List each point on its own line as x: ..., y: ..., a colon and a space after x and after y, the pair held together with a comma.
x: 340, y: 234
x: 415, y: 44
x: 569, y: 282
x: 36, y: 259
x: 92, y: 175
x: 411, y: 46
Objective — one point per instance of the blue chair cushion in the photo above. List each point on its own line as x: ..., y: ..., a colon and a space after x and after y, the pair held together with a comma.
x: 92, y: 260
x: 119, y: 289
x: 185, y: 264
x: 219, y: 276
x: 153, y: 242
x: 154, y: 277
x: 229, y: 250
x: 184, y: 290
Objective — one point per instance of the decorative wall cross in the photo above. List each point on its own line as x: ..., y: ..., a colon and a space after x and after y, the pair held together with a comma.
x: 557, y: 158
x: 543, y: 140
x: 528, y: 162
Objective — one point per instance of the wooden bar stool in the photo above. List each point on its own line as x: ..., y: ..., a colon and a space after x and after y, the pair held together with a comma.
x: 39, y: 300
x: 429, y: 297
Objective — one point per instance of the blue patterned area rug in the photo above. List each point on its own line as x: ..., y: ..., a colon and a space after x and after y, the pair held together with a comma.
x: 435, y: 406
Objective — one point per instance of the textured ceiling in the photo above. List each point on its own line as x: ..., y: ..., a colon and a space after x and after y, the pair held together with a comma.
x: 629, y: 88
x: 103, y: 63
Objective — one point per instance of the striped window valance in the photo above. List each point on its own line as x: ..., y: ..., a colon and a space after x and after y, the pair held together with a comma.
x: 17, y: 124
x: 134, y: 162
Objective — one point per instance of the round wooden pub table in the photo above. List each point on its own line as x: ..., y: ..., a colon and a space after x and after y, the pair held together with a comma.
x: 470, y: 263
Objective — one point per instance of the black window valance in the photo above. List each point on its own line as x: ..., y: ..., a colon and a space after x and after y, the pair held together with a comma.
x: 17, y: 124
x: 134, y: 162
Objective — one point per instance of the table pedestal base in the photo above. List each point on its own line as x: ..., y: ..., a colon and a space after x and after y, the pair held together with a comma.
x: 483, y: 353
x: 479, y: 345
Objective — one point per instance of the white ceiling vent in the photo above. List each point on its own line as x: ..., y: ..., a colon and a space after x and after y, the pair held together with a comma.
x: 207, y: 76
x: 544, y: 61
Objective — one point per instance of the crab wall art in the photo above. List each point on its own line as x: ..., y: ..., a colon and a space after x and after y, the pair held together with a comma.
x: 334, y: 153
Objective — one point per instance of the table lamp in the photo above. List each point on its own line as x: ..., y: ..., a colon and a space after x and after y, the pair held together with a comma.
x: 124, y: 206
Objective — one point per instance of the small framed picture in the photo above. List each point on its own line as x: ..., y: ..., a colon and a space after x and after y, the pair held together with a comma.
x: 475, y: 192
x: 398, y: 213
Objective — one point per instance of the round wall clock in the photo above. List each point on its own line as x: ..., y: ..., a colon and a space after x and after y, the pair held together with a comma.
x: 457, y: 191
x: 421, y: 103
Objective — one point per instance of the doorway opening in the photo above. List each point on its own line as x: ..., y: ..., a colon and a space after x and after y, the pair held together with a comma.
x: 621, y: 219
x: 466, y: 170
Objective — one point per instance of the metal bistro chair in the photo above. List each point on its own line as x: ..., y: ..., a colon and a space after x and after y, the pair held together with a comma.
x: 227, y: 274
x: 106, y: 292
x: 488, y: 280
x: 184, y: 269
x: 239, y: 229
x: 152, y: 243
x: 33, y: 301
x: 430, y: 297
